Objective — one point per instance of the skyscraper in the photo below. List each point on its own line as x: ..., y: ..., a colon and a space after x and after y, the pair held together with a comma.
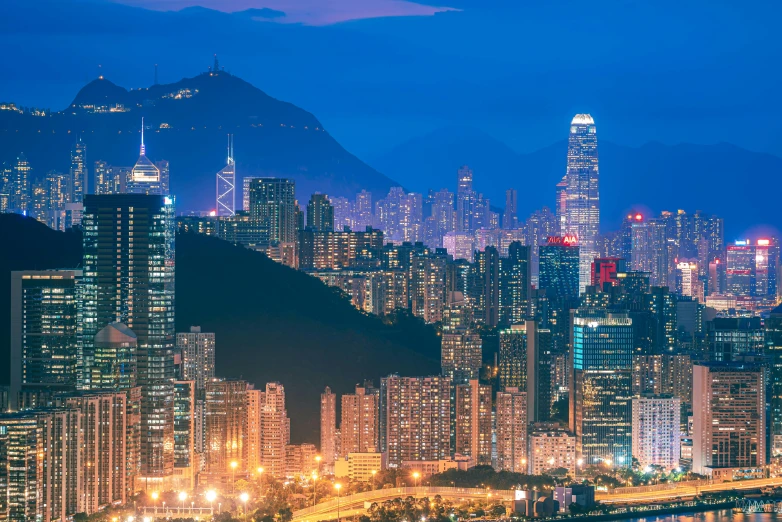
x: 359, y: 426
x: 226, y: 184
x: 601, y: 387
x: 473, y: 422
x: 465, y: 200
x: 328, y: 426
x: 273, y: 209
x: 582, y: 194
x: 275, y: 430
x: 43, y: 332
x: 656, y: 431
x: 226, y: 420
x: 129, y: 278
x: 198, y: 356
x: 20, y: 185
x: 510, y: 218
x: 320, y: 213
x: 78, y: 172
x: 460, y: 350
x: 146, y: 177
x: 511, y: 430
x: 515, y: 274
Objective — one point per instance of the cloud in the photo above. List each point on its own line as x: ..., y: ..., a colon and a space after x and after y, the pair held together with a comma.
x: 308, y: 12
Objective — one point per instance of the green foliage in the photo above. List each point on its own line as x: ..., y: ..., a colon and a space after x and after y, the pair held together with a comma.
x: 486, y: 476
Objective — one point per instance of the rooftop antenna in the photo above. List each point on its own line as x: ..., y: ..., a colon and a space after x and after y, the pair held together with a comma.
x: 143, y: 151
x: 216, y: 67
x: 100, y: 72
x: 230, y: 149
x: 155, y: 75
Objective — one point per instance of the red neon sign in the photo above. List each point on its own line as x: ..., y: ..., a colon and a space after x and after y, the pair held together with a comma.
x: 568, y: 240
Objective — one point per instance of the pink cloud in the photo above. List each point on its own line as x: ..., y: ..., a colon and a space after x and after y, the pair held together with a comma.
x: 309, y: 12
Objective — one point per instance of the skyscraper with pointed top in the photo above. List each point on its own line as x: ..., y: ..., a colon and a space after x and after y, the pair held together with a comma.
x: 579, y: 194
x: 78, y: 172
x: 226, y: 184
x: 147, y: 177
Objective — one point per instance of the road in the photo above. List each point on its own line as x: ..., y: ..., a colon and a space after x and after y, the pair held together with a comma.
x: 627, y: 495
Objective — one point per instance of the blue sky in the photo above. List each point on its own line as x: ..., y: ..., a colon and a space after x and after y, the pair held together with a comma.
x: 698, y: 71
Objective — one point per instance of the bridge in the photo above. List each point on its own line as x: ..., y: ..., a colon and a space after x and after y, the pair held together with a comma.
x: 357, y: 504
x: 672, y: 491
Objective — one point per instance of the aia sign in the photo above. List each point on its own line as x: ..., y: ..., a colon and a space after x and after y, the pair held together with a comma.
x: 569, y: 240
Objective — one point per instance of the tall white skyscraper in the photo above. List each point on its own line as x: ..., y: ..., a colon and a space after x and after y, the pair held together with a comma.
x: 581, y: 195
x: 226, y: 184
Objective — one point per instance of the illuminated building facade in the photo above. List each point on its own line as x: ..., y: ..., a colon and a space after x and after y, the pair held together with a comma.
x: 601, y: 387
x: 328, y: 426
x: 581, y: 216
x: 320, y: 213
x: 473, y: 422
x: 511, y: 430
x: 360, y: 422
x: 226, y: 420
x: 147, y: 177
x: 338, y: 250
x: 225, y: 203
x: 460, y: 345
x: 273, y: 209
x: 43, y: 332
x: 78, y: 172
x: 275, y: 430
x: 198, y: 356
x: 551, y: 447
x: 657, y: 431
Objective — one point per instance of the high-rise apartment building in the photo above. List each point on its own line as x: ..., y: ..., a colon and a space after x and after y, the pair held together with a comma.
x: 226, y: 424
x: 473, y: 422
x: 320, y: 213
x: 273, y: 209
x: 581, y: 217
x: 427, y: 287
x: 128, y: 277
x: 43, y: 332
x: 328, y: 426
x: 275, y: 430
x: 551, y: 447
x: 657, y: 431
x: 225, y: 200
x: 184, y: 433
x: 526, y: 363
x: 515, y: 281
x: 417, y: 418
x: 198, y: 356
x: 511, y: 430
x: 601, y: 387
x: 115, y: 364
x: 21, y: 180
x: 359, y: 426
x: 465, y: 200
x: 729, y: 426
x: 461, y: 344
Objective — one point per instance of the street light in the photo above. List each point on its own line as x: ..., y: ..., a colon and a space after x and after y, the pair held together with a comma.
x: 415, y: 476
x: 183, y: 497
x: 244, y: 497
x: 314, y: 487
x: 211, y: 495
x: 374, y: 472
x: 154, y: 496
x: 338, y: 486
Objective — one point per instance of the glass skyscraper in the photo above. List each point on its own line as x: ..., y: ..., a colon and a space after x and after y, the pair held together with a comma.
x: 580, y: 195
x: 129, y: 278
x: 601, y: 387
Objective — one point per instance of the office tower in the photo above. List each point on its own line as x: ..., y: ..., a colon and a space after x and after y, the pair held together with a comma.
x: 510, y: 218
x: 320, y: 213
x: 582, y: 194
x: 328, y: 426
x: 465, y: 200
x: 515, y: 275
x: 488, y: 273
x: 246, y: 181
x: 687, y: 282
x: 103, y: 425
x: 604, y: 271
x: 540, y: 225
x: 551, y: 447
x: 255, y: 401
x: 275, y: 430
x: 43, y: 332
x: 752, y: 269
x: 20, y: 185
x: 417, y: 418
x: 773, y: 338
x: 473, y: 422
x: 601, y: 387
x: 39, y: 202
x: 731, y: 338
x: 641, y: 246
x: 146, y: 177
x: 656, y: 431
x: 226, y: 184
x: 273, y: 209
x: 525, y: 363
x: 461, y: 354
x: 115, y: 365
x: 442, y: 219
x: 559, y: 268
x: 184, y: 433
x: 226, y: 422
x: 128, y: 277
x: 79, y: 177
x: 57, y: 191
x: 660, y: 303
x: 459, y: 245
x: 511, y: 430
x: 198, y: 356
x: 766, y: 269
x: 359, y: 426
x: 730, y: 432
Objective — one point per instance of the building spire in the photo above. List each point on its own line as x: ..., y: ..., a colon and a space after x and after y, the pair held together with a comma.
x: 143, y: 151
x: 230, y: 149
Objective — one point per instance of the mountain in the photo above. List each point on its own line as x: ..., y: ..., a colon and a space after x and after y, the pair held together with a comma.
x: 272, y: 323
x: 654, y: 175
x: 187, y: 123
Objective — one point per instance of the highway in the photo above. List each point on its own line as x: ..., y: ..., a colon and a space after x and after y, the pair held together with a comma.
x: 351, y: 505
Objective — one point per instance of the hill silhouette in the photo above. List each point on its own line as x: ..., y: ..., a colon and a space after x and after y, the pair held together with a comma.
x: 654, y: 175
x: 272, y: 323
x: 272, y: 137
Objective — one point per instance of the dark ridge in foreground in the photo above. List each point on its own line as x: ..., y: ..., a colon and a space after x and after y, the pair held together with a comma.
x: 272, y: 323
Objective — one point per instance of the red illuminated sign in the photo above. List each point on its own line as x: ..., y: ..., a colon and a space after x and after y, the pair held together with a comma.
x: 569, y: 240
